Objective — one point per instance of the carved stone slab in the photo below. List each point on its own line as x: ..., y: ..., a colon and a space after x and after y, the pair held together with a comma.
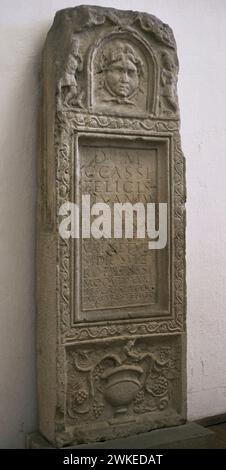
x: 111, y: 312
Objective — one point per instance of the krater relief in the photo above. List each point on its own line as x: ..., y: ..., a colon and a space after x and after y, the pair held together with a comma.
x: 111, y: 300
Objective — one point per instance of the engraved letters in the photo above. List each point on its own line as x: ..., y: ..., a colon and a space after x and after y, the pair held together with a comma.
x: 111, y: 311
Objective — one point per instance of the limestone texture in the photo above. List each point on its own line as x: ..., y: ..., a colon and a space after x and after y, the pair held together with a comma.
x: 111, y: 312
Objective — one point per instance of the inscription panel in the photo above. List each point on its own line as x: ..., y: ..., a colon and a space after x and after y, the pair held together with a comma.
x: 122, y: 278
x: 113, y: 308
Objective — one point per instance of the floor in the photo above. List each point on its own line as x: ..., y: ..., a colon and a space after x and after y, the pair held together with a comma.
x: 220, y: 431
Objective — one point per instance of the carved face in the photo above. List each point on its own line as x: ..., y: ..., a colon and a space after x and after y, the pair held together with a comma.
x: 121, y: 77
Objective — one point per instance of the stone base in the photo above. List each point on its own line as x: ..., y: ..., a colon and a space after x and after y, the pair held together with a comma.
x: 187, y: 436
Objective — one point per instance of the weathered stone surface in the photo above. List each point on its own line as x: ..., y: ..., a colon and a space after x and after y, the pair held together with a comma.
x: 111, y: 312
x: 186, y: 436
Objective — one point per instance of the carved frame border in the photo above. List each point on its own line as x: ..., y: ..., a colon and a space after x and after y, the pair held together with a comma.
x: 66, y: 126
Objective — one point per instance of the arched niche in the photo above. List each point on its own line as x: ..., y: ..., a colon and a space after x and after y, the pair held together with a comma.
x: 123, y: 74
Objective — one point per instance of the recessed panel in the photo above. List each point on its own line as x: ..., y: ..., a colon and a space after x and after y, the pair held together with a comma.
x: 121, y: 277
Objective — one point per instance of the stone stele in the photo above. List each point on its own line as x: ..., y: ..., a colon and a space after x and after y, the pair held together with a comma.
x: 111, y: 312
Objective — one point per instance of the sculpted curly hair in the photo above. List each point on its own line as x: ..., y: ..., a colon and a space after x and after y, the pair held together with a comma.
x: 116, y: 52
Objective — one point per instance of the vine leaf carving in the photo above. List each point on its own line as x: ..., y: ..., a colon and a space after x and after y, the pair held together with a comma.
x: 131, y: 378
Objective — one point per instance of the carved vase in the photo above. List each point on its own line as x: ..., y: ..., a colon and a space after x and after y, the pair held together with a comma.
x: 122, y: 385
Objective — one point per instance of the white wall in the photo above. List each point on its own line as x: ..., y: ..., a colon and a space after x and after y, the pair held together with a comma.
x: 200, y: 31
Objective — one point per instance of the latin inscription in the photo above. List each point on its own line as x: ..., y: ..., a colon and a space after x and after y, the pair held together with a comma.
x: 123, y: 273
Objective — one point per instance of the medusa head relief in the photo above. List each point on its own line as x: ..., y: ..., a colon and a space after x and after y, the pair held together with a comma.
x: 121, y: 78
